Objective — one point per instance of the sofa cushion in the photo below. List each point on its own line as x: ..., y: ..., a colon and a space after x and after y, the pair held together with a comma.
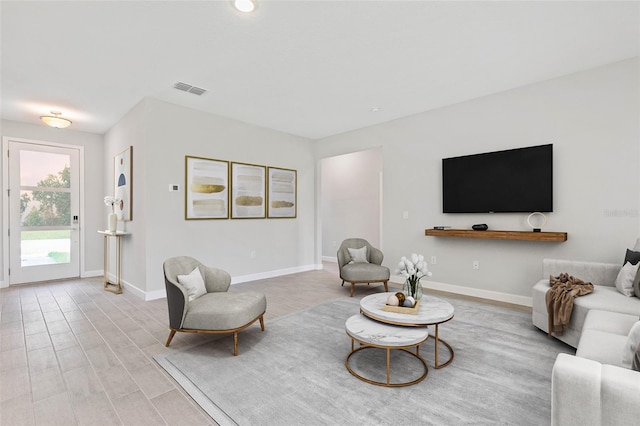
x: 624, y: 281
x: 592, y: 272
x: 609, y: 322
x: 635, y: 365
x: 608, y: 299
x: 631, y: 346
x: 606, y: 348
x: 632, y: 257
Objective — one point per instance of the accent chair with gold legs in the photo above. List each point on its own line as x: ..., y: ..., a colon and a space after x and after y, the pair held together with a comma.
x: 360, y: 262
x: 199, y: 301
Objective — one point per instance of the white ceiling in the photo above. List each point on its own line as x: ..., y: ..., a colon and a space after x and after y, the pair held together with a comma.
x: 309, y: 68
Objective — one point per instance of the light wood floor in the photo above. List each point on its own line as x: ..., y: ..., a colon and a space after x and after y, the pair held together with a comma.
x: 72, y: 353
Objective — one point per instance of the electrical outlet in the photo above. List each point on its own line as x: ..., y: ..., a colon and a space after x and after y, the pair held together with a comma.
x: 433, y: 260
x: 476, y: 264
x: 405, y: 214
x: 253, y: 254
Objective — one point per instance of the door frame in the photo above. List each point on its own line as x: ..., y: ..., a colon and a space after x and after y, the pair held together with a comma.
x: 6, y: 278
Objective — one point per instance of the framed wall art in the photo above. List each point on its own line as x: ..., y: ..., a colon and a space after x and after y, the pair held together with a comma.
x: 282, y: 193
x: 206, y: 188
x: 248, y: 191
x: 123, y: 184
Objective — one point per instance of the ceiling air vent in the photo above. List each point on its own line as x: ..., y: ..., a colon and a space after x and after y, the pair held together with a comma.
x: 189, y: 88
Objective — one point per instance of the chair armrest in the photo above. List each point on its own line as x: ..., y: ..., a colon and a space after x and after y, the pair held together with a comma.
x: 215, y: 280
x: 375, y: 256
x: 587, y: 392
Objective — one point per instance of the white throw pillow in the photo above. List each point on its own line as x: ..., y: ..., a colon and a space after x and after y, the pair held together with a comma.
x: 624, y: 281
x: 358, y: 255
x: 194, y: 284
x: 633, y: 340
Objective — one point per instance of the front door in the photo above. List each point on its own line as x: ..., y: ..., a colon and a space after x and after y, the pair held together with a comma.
x: 44, y: 194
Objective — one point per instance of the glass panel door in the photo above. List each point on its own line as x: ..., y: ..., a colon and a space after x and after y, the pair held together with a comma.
x: 43, y: 210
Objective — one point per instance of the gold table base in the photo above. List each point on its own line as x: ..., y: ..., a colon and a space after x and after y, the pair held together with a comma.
x: 388, y: 350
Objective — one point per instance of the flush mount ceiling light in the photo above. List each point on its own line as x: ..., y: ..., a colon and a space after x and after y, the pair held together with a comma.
x: 54, y: 120
x: 245, y: 6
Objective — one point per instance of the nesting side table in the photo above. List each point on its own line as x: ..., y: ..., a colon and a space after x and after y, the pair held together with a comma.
x: 373, y: 334
x: 115, y: 286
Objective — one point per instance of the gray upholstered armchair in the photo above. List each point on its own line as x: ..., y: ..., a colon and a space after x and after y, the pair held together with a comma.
x: 216, y: 310
x: 367, y: 269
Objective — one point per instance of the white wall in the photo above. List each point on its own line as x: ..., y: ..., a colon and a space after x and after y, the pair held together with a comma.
x: 161, y: 135
x: 350, y: 199
x: 94, y: 216
x: 591, y: 118
x: 130, y: 131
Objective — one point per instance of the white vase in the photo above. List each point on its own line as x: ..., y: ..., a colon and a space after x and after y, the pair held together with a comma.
x: 113, y: 222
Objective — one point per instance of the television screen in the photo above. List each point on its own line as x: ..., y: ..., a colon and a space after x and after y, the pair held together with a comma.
x: 512, y: 181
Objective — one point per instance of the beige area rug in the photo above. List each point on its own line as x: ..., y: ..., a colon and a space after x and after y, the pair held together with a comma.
x: 294, y: 373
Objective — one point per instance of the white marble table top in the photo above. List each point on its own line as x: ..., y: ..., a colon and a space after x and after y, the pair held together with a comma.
x: 373, y: 332
x: 433, y: 310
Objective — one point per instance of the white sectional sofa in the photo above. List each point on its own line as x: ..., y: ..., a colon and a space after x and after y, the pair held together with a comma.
x: 594, y: 387
x: 605, y: 297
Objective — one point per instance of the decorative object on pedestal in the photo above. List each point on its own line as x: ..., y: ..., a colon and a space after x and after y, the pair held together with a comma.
x: 536, y: 220
x: 112, y: 221
x: 413, y: 269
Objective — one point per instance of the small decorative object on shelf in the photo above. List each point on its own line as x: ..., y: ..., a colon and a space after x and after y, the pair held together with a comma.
x: 112, y: 222
x: 413, y: 269
x: 536, y: 220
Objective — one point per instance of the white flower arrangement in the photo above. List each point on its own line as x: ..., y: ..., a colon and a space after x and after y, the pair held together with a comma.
x: 413, y: 269
x: 111, y: 201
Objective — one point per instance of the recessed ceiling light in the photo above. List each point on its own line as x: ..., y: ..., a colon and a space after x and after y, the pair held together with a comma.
x: 245, y: 5
x: 54, y: 120
x: 375, y: 109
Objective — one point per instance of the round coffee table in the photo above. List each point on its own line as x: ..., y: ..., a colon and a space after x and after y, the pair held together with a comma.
x: 432, y: 311
x: 374, y: 334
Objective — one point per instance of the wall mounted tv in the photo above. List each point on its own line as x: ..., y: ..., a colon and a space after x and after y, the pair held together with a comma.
x: 512, y: 181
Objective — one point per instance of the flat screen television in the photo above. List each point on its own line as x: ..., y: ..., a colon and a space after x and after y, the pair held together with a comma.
x: 512, y: 181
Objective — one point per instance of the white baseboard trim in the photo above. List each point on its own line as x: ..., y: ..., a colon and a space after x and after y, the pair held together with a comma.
x: 330, y: 259
x: 89, y: 274
x: 156, y: 294
x: 141, y: 294
x: 161, y: 294
x: 2, y: 284
x: 469, y: 291
x: 276, y: 273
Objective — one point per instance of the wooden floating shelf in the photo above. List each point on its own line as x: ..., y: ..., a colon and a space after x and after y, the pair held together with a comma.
x: 558, y: 237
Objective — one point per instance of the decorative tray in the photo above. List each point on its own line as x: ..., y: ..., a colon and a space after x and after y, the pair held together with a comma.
x: 402, y: 309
